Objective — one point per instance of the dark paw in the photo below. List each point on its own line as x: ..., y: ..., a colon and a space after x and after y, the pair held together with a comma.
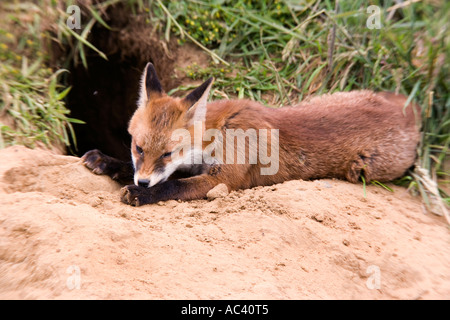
x: 96, y: 161
x: 135, y: 195
x: 100, y: 163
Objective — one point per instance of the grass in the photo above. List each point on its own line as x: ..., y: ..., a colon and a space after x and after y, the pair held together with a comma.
x: 31, y: 99
x: 32, y: 108
x: 279, y: 52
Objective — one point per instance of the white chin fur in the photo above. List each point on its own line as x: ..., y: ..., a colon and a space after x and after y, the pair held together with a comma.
x: 170, y: 168
x: 157, y: 178
x: 135, y: 178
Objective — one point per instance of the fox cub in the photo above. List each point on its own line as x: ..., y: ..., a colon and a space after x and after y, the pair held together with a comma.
x: 183, y: 147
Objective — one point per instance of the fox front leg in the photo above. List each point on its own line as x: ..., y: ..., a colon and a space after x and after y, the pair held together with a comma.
x: 183, y: 189
x: 99, y: 163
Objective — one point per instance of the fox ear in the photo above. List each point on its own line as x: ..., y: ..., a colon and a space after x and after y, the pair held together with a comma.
x: 197, y: 100
x: 150, y: 85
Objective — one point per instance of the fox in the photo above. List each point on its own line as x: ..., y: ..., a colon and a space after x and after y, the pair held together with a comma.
x: 178, y: 144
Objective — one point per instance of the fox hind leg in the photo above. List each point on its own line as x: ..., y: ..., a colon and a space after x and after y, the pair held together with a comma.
x: 361, y: 166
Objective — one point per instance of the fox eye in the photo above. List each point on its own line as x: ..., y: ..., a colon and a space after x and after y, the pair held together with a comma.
x: 166, y: 155
x: 139, y: 150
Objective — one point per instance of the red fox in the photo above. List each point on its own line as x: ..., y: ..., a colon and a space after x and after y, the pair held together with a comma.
x: 183, y: 147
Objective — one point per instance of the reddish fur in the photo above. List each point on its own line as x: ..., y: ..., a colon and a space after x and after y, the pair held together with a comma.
x: 343, y: 135
x: 151, y: 128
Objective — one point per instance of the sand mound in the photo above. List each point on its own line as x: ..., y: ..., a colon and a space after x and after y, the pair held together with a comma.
x: 65, y: 234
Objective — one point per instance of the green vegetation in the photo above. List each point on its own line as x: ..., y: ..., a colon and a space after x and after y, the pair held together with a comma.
x: 32, y: 108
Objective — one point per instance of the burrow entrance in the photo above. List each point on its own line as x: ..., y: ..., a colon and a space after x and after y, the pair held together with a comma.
x: 104, y: 95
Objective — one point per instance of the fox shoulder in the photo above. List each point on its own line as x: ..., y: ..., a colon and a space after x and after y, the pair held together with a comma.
x: 237, y: 114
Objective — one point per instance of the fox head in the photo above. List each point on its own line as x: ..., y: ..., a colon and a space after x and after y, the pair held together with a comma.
x: 152, y: 126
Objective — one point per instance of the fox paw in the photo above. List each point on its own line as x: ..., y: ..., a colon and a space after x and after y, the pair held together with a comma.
x: 96, y: 161
x: 135, y: 195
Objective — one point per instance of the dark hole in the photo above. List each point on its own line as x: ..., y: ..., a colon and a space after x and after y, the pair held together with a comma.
x: 105, y: 94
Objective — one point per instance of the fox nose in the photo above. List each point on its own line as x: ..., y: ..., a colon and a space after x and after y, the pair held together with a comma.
x: 143, y: 183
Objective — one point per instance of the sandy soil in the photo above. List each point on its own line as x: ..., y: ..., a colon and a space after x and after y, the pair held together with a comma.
x: 64, y: 234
